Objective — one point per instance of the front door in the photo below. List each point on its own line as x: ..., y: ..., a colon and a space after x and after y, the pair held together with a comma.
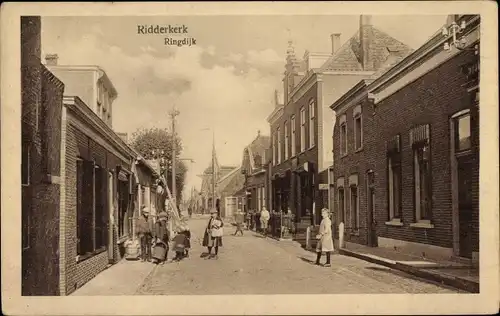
x: 464, y: 173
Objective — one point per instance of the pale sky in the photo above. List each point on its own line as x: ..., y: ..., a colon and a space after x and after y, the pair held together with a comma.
x: 225, y: 82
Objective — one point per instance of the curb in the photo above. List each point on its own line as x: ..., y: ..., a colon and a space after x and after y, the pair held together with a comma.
x: 458, y: 283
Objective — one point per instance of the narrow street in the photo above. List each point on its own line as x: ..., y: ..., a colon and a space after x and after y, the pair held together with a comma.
x: 252, y: 264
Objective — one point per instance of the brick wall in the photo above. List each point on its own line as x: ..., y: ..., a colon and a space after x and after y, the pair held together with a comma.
x: 431, y: 99
x: 41, y: 113
x: 78, y: 273
x: 353, y: 164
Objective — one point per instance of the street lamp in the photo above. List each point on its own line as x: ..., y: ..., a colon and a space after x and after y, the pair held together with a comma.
x: 454, y: 30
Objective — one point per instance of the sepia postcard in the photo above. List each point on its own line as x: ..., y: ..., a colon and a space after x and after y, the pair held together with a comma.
x: 249, y: 158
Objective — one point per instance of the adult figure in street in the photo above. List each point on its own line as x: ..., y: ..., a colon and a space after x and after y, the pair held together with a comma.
x: 325, y: 238
x: 161, y: 236
x: 264, y: 220
x: 145, y: 230
x: 213, y: 234
x: 239, y: 219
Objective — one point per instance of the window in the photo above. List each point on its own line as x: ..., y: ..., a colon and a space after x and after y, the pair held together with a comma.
x: 462, y: 133
x: 394, y: 178
x: 25, y: 164
x: 312, y: 117
x: 419, y: 138
x: 354, y: 207
x: 258, y: 199
x: 274, y: 149
x: 343, y: 139
x: 302, y: 129
x: 123, y: 200
x: 278, y: 133
x: 91, y: 196
x: 358, y: 128
x: 263, y: 197
x: 287, y: 144
x: 341, y: 206
x: 294, y: 136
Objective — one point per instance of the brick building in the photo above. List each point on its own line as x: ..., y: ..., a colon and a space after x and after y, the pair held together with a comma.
x: 301, y: 128
x: 41, y: 106
x: 254, y: 167
x: 418, y: 174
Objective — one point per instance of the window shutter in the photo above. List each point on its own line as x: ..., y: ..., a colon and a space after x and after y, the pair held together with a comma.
x: 419, y: 135
x: 394, y: 145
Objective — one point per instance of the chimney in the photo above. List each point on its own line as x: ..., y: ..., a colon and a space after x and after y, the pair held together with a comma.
x: 51, y: 59
x: 276, y: 98
x: 366, y: 39
x: 335, y: 42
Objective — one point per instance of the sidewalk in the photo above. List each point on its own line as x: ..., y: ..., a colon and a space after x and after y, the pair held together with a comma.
x: 123, y: 278
x: 454, y: 274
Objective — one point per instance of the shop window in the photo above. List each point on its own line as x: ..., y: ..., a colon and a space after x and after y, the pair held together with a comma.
x: 91, y: 198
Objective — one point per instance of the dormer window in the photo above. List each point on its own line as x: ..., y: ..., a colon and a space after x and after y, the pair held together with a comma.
x: 258, y: 161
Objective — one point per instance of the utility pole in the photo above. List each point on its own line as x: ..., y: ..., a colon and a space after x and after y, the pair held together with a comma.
x: 213, y: 168
x: 173, y: 114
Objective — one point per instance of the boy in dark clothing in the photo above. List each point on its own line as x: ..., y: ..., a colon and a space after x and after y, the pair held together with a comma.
x: 145, y: 231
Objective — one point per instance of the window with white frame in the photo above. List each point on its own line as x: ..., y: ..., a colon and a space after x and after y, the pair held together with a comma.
x: 278, y: 132
x: 462, y: 132
x: 294, y: 136
x: 287, y: 143
x: 312, y: 117
x: 343, y: 135
x: 394, y: 178
x: 420, y: 142
x: 354, y: 201
x: 358, y: 128
x: 302, y: 129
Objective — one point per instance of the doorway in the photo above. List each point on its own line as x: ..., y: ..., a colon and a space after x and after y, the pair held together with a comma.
x: 464, y: 175
x: 371, y: 223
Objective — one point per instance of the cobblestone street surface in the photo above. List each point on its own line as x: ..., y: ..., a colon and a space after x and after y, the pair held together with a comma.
x: 252, y: 264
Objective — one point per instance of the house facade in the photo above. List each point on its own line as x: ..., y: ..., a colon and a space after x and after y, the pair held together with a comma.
x: 301, y: 129
x: 90, y: 83
x: 254, y: 168
x: 406, y: 151
x: 230, y: 193
x: 427, y: 148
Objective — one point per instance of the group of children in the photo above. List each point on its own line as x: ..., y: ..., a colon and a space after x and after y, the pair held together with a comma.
x: 181, y: 244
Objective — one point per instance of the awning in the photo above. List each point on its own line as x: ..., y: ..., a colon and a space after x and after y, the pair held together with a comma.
x: 122, y: 176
